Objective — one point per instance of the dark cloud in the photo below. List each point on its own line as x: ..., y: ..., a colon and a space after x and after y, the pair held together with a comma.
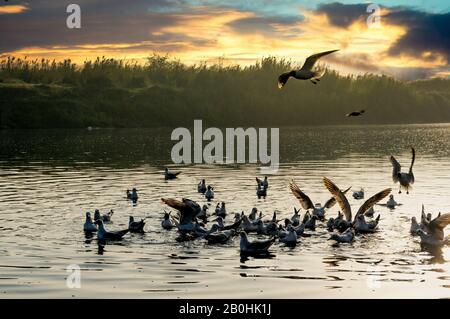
x: 425, y: 32
x: 102, y: 22
x: 343, y: 15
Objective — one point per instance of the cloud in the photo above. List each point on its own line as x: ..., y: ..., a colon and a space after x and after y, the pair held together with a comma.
x: 427, y: 35
x: 12, y: 9
x: 267, y: 25
x: 343, y: 15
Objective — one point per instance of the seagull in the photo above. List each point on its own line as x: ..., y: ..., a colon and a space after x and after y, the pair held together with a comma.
x: 415, y: 226
x: 405, y: 179
x: 220, y: 237
x: 345, y: 206
x: 201, y: 187
x: 291, y: 238
x: 263, y: 183
x: 188, y: 212
x: 89, y: 226
x: 435, y: 231
x: 306, y: 71
x: 222, y: 226
x: 256, y: 246
x: 362, y: 226
x: 136, y: 227
x: 355, y: 113
x: 261, y: 191
x: 170, y: 175
x: 317, y: 210
x: 248, y: 225
x: 103, y: 234
x: 132, y: 195
x: 209, y: 194
x: 370, y: 212
x: 168, y: 222
x: 105, y: 217
x: 309, y: 221
x: 252, y: 215
x: 391, y: 203
x: 220, y: 210
x: 295, y: 219
x: 359, y: 194
x: 345, y: 237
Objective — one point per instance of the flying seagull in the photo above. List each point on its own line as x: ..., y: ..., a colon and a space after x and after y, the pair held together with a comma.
x: 306, y: 71
x: 405, y: 179
x: 358, y: 222
x: 355, y: 113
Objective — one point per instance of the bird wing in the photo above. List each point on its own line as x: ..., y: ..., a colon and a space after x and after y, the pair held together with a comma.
x: 437, y: 225
x: 413, y: 151
x: 331, y: 202
x: 373, y: 200
x: 339, y: 197
x: 283, y: 78
x: 304, y: 200
x: 311, y: 60
x: 396, y: 168
x: 187, y: 208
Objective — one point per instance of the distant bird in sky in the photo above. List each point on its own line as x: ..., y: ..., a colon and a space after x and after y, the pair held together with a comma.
x: 306, y: 71
x: 405, y: 179
x: 355, y: 113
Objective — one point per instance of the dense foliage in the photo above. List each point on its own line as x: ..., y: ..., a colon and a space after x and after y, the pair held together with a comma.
x: 165, y: 92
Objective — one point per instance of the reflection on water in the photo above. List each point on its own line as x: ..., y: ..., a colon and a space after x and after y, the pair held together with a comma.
x: 49, y: 179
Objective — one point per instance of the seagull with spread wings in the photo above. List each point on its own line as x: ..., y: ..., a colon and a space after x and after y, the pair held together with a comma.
x: 434, y: 234
x: 405, y: 179
x: 188, y: 210
x: 306, y: 72
x: 359, y: 222
x: 317, y: 210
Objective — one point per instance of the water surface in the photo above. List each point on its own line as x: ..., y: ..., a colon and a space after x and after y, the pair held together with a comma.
x: 49, y: 179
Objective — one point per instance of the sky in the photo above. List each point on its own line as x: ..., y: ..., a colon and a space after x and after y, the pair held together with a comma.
x: 410, y: 41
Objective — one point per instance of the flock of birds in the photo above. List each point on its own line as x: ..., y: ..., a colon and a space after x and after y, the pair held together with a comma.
x: 194, y: 221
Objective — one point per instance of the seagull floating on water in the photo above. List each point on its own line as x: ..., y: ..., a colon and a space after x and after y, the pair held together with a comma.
x: 170, y: 175
x: 103, y: 234
x: 290, y: 239
x: 105, y: 217
x: 136, y: 227
x: 220, y: 237
x: 209, y: 194
x: 434, y: 234
x: 132, y: 195
x: 263, y: 183
x: 359, y: 194
x: 89, y: 226
x: 221, y: 210
x: 317, y: 210
x: 405, y: 179
x: 255, y: 246
x: 346, y: 237
x: 168, y: 222
x: 306, y: 72
x: 201, y: 187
